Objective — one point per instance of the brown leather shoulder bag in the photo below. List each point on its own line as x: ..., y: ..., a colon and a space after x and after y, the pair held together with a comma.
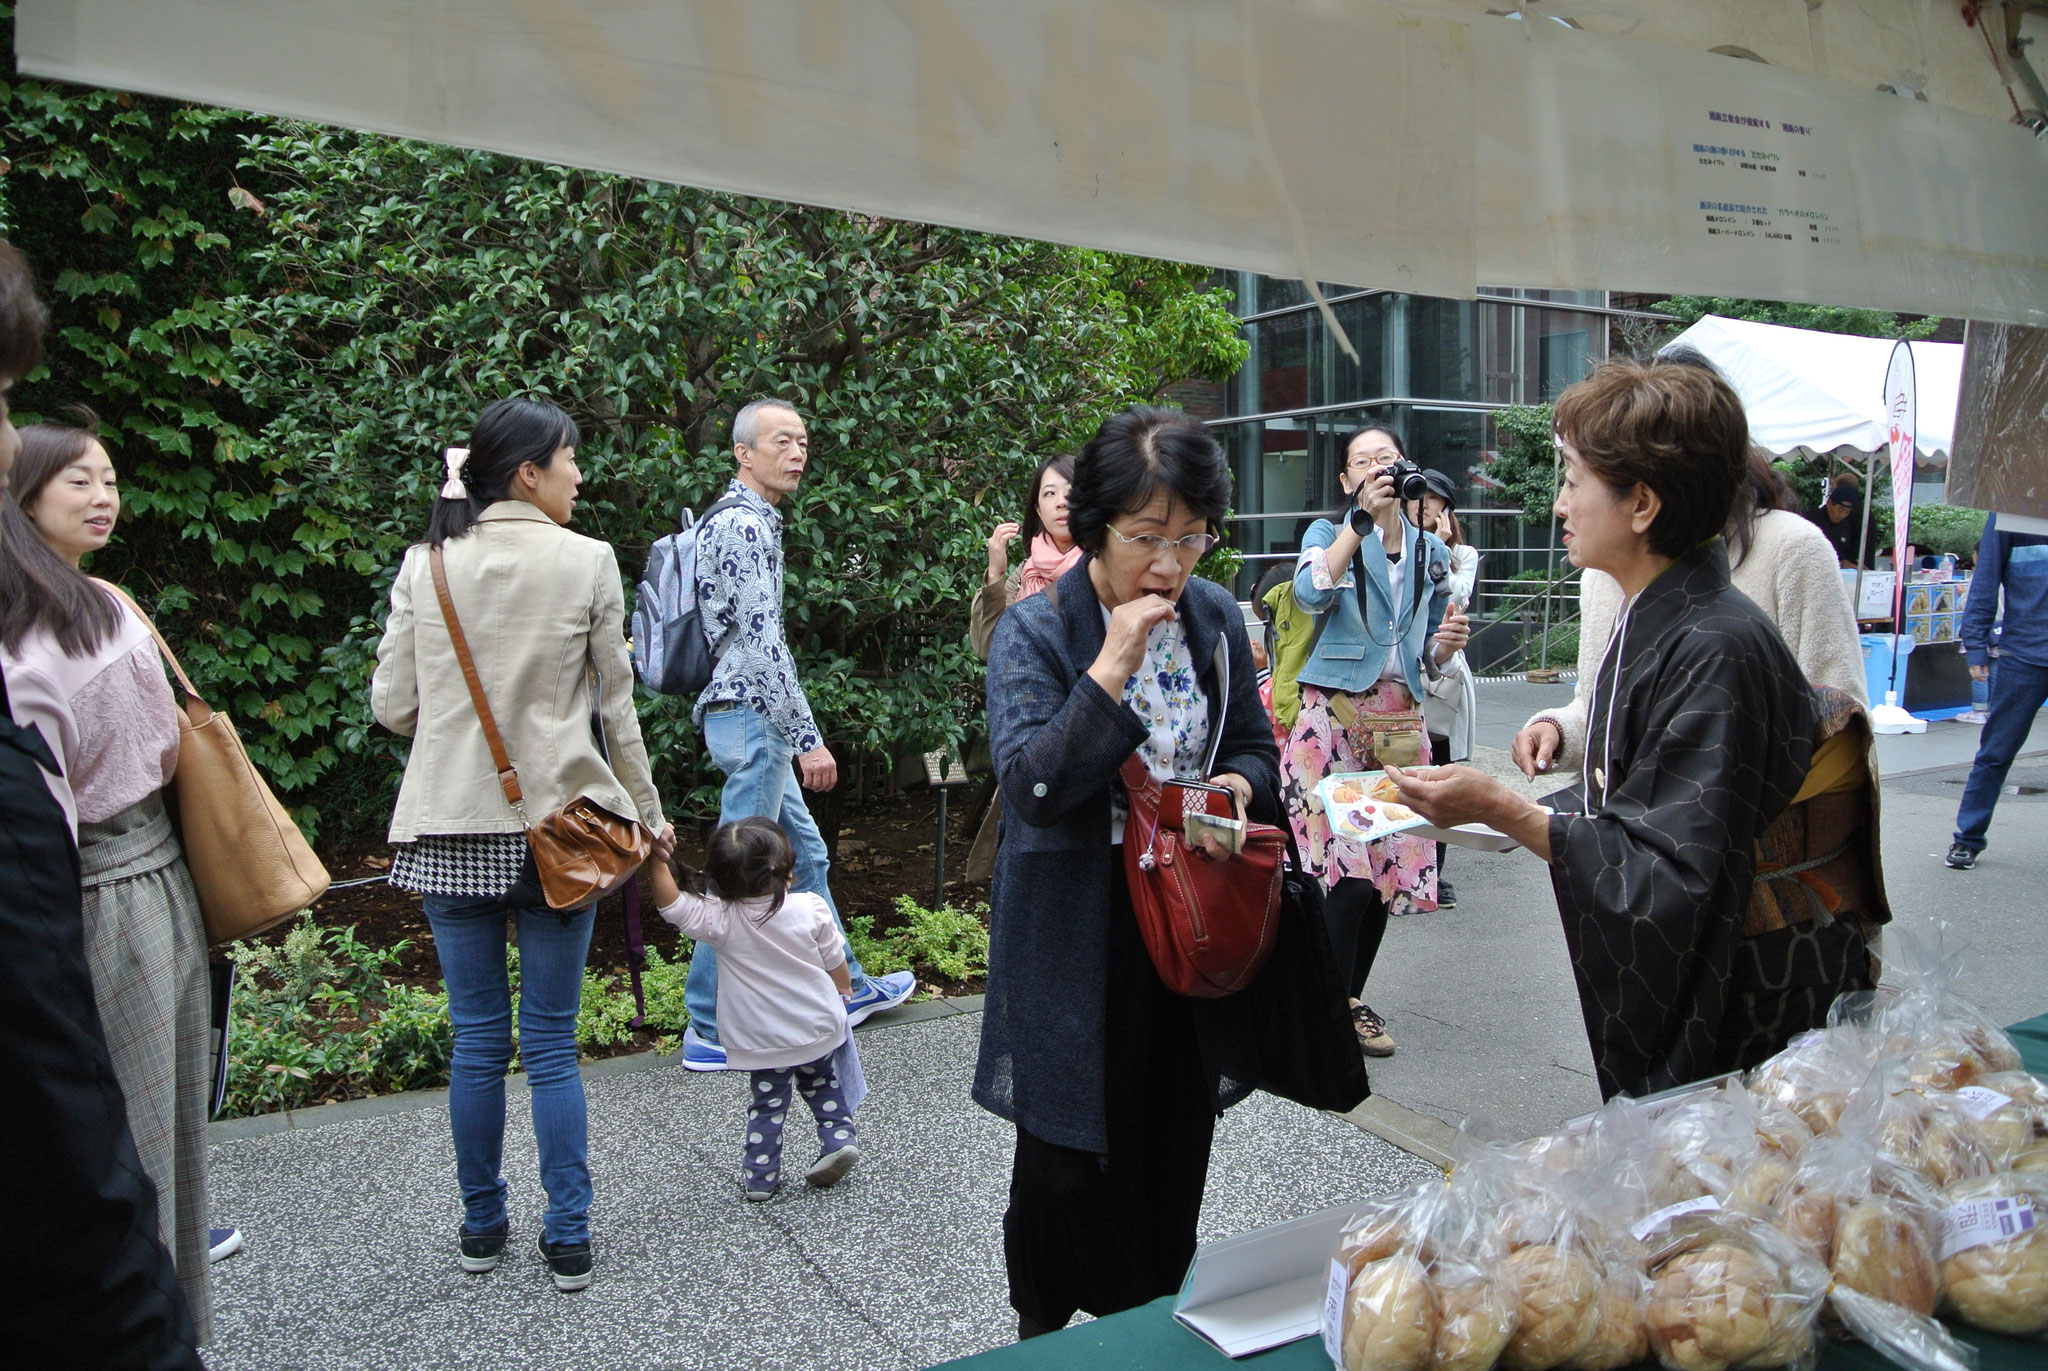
x: 582, y: 851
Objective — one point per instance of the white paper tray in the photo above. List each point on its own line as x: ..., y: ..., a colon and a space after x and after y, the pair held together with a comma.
x: 1264, y: 1288
x: 1470, y: 835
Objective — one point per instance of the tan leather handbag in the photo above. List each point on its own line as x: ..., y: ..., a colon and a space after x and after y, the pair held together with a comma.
x: 249, y: 862
x: 1382, y: 740
x: 582, y: 851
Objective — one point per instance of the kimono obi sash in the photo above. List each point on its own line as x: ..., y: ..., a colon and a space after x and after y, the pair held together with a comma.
x: 1818, y: 860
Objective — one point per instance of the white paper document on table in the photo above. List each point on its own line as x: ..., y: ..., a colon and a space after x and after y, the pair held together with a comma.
x: 1265, y: 1288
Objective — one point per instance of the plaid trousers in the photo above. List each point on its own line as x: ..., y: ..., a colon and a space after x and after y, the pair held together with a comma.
x: 145, y: 942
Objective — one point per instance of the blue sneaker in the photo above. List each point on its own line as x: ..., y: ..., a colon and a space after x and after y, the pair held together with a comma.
x: 699, y: 1055
x: 222, y: 1243
x: 878, y: 993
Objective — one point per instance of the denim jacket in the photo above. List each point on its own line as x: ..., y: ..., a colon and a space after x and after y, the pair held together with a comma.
x: 1351, y: 655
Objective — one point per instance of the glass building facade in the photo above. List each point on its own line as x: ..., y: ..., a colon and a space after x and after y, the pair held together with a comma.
x: 1434, y: 370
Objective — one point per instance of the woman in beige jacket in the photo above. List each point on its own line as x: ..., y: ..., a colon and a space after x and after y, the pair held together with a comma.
x: 544, y: 615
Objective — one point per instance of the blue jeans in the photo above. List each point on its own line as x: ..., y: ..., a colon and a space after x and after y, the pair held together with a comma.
x: 759, y: 780
x: 469, y: 938
x: 2018, y: 690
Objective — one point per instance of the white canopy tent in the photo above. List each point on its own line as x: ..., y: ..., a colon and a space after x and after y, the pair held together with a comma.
x: 1427, y: 146
x: 1825, y: 391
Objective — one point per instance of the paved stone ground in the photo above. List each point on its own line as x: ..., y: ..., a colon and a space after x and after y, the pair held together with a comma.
x: 351, y: 1228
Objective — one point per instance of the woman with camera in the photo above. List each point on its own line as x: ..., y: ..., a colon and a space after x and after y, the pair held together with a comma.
x: 1380, y: 588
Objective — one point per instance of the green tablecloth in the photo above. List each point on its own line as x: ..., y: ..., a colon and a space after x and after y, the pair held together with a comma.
x: 1149, y: 1339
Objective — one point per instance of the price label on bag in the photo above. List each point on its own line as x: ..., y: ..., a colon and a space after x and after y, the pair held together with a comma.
x: 1980, y: 1102
x: 1979, y: 1223
x: 1333, y: 1312
x: 1705, y: 1204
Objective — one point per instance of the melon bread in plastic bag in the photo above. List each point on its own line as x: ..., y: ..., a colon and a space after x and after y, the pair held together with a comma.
x: 1994, y: 1251
x: 1478, y: 1311
x: 1924, y: 1015
x: 1389, y: 1315
x: 1735, y: 1293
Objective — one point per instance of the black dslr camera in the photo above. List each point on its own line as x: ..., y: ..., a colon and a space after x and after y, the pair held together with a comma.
x: 1408, y: 479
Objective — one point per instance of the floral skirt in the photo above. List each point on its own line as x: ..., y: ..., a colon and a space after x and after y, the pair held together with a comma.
x: 1401, y: 868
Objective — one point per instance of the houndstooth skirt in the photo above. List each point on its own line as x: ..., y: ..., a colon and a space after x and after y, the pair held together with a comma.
x: 146, y: 943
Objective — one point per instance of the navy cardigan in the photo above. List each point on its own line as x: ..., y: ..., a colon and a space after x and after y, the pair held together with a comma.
x: 1058, y: 740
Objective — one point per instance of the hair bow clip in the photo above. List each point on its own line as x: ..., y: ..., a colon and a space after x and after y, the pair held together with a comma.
x: 453, y: 488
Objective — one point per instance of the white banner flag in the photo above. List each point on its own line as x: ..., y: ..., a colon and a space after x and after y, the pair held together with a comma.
x: 1899, y: 408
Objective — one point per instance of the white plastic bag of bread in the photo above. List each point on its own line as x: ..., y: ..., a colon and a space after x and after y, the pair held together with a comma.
x: 1425, y: 1287
x: 1736, y: 1294
x: 1816, y: 1073
x: 1388, y: 1317
x: 1994, y: 1251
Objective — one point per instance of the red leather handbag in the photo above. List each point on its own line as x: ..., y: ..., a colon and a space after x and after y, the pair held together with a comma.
x: 1208, y: 925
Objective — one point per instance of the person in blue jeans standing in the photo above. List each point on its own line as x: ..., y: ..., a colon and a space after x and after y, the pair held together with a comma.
x: 543, y: 613
x: 2017, y: 564
x: 755, y: 718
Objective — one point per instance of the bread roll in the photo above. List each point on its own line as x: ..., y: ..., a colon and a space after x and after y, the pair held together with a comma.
x: 1882, y: 1252
x: 2003, y: 1285
x: 1810, y: 1216
x: 1710, y: 1309
x: 1619, y: 1337
x: 1390, y: 1317
x: 1758, y: 1183
x: 1952, y: 1148
x: 1555, y: 1291
x: 1477, y: 1317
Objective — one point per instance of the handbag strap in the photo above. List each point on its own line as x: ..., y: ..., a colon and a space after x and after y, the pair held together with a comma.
x: 508, y: 778
x: 203, y: 711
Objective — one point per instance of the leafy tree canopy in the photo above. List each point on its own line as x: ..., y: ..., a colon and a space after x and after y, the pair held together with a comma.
x: 1865, y: 323
x: 283, y: 325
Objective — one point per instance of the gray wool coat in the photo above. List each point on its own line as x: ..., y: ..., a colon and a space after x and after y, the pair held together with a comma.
x: 1058, y: 740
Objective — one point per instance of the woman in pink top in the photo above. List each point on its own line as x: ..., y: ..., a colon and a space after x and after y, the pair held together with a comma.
x: 83, y: 668
x: 782, y: 990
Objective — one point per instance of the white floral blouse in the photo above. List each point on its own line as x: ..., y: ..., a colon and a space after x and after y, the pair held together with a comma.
x: 1166, y: 695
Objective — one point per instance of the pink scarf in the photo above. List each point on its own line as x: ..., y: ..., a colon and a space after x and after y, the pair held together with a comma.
x: 1045, y: 565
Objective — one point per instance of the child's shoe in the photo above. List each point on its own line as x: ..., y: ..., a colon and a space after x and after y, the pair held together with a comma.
x: 831, y: 1167
x: 760, y: 1189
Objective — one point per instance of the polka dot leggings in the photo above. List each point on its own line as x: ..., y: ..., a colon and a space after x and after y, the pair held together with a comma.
x: 761, y: 1167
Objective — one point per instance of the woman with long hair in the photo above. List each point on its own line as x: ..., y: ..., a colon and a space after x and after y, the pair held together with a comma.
x: 85, y: 668
x: 544, y: 617
x: 1050, y: 551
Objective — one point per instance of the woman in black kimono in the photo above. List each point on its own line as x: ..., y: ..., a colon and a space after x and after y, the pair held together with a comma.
x: 1700, y: 734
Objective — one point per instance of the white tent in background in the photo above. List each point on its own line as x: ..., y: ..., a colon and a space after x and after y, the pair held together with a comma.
x: 1824, y: 391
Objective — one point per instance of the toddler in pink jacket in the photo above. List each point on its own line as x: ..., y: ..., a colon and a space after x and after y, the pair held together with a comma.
x: 782, y: 991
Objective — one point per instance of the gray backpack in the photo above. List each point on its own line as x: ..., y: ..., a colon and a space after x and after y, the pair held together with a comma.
x: 671, y: 653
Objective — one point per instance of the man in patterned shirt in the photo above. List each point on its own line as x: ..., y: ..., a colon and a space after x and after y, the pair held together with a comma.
x: 754, y: 714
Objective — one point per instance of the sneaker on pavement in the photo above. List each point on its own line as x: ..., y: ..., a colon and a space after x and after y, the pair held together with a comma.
x: 570, y: 1263
x: 760, y: 1189
x: 1973, y: 716
x: 878, y: 993
x: 482, y: 1252
x: 222, y: 1243
x: 699, y: 1055
x: 1446, y: 896
x: 1373, y: 1038
x: 831, y: 1167
x: 1961, y: 858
